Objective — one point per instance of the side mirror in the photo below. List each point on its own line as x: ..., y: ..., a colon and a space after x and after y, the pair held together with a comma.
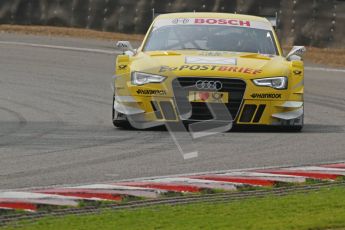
x: 125, y: 47
x: 296, y: 53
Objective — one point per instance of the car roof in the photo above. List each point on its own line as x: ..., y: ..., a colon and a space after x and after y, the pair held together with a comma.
x: 212, y: 15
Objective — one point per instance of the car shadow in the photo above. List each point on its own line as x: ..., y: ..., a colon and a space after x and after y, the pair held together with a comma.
x: 308, y: 128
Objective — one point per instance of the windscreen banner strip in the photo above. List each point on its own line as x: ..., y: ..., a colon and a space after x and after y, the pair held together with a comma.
x: 212, y: 21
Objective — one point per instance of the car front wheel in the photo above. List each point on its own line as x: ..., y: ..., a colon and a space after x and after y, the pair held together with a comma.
x: 119, y: 119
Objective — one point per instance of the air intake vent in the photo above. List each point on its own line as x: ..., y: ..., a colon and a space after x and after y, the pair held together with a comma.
x: 168, y: 110
x: 200, y: 111
x: 259, y: 113
x: 248, y: 113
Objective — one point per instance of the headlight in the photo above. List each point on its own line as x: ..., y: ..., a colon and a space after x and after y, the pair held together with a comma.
x: 274, y: 82
x: 144, y: 78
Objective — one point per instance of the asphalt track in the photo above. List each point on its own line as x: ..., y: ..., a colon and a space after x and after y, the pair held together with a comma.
x: 55, y: 125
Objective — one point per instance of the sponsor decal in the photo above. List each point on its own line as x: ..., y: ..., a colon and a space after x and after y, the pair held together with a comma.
x: 213, y: 21
x: 266, y: 95
x: 240, y: 70
x: 122, y: 45
x: 210, y: 54
x: 215, y: 53
x: 221, y: 21
x: 244, y: 70
x: 122, y: 67
x: 180, y: 20
x: 151, y: 92
x: 204, y: 96
x: 297, y: 72
x: 208, y: 96
x: 210, y: 60
x: 217, y: 96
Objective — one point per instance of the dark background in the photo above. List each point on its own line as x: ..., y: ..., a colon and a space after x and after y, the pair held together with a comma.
x: 318, y: 23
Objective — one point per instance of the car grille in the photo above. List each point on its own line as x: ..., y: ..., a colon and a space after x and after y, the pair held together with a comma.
x: 200, y: 111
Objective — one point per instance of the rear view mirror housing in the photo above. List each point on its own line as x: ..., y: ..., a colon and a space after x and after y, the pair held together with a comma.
x: 126, y: 48
x: 296, y: 53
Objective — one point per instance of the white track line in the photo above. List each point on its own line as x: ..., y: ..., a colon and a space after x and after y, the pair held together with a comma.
x: 324, y: 69
x: 60, y: 47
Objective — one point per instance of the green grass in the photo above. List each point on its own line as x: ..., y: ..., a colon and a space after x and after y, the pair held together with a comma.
x: 321, y: 210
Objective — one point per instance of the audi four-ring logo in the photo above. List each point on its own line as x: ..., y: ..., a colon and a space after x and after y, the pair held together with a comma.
x: 211, y: 85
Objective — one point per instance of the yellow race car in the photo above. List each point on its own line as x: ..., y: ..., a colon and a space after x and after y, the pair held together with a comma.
x: 199, y: 67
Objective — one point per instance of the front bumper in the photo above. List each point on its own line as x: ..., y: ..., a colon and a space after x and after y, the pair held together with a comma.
x: 248, y: 105
x: 251, y: 112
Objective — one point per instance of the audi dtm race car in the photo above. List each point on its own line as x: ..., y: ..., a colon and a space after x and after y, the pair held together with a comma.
x: 197, y: 67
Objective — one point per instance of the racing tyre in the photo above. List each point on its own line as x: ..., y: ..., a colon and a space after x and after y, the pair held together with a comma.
x: 119, y: 119
x: 295, y: 128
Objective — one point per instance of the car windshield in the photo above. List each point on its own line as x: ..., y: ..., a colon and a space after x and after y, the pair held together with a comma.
x: 211, y: 38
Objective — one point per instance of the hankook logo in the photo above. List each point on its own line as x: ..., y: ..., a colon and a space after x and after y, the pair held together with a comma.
x: 266, y: 95
x: 211, y: 85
